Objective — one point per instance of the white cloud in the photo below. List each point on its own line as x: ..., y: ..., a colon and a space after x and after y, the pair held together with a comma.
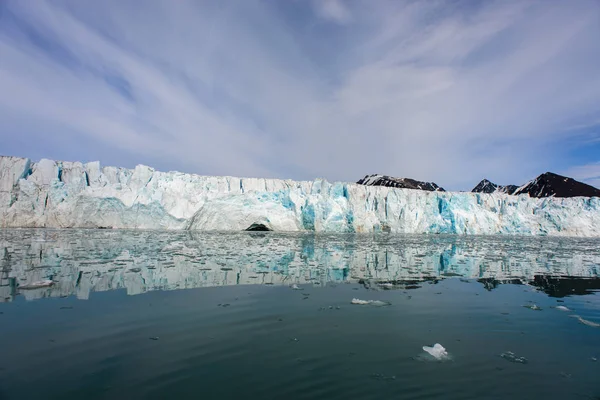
x: 449, y: 93
x: 333, y: 10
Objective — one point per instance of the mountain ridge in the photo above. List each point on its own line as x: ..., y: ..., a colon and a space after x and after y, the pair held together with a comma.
x: 544, y: 185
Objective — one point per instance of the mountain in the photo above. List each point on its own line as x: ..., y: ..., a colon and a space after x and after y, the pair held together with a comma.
x: 486, y: 186
x: 404, y: 183
x: 553, y: 185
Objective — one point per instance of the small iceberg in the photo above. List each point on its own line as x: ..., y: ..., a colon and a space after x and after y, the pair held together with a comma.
x: 37, y: 285
x: 437, y: 351
x: 378, y: 303
x: 533, y: 307
x: 295, y: 287
x: 562, y: 308
x: 512, y: 357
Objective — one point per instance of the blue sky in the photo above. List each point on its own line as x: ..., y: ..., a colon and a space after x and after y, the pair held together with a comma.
x: 444, y: 91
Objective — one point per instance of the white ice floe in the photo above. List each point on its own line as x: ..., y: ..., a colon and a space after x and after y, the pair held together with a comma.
x: 562, y: 308
x: 512, y: 357
x: 37, y: 285
x: 533, y: 307
x: 370, y: 302
x: 437, y: 351
x: 295, y: 287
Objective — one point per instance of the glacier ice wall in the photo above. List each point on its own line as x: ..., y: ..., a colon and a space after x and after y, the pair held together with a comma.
x: 71, y: 194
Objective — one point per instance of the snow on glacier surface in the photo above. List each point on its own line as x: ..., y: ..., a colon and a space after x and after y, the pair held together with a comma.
x: 72, y: 194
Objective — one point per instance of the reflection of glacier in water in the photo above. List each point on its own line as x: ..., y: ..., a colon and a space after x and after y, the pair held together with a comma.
x: 83, y: 261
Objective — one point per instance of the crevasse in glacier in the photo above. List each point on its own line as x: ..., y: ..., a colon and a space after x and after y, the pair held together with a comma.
x: 71, y: 194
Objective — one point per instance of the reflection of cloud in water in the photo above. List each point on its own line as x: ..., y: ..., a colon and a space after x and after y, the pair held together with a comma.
x: 83, y: 261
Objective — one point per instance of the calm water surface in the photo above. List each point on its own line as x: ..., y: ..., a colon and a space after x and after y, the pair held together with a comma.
x: 146, y: 314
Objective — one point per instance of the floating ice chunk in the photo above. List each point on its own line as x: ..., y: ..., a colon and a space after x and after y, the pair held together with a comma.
x: 295, y: 287
x: 383, y: 377
x: 533, y: 307
x: 378, y: 303
x: 586, y: 322
x: 562, y: 308
x: 37, y: 285
x: 437, y: 351
x: 512, y: 357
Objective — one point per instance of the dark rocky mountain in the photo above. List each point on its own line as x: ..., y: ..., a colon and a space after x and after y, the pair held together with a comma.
x: 552, y: 185
x: 486, y: 186
x: 404, y: 183
x: 546, y: 185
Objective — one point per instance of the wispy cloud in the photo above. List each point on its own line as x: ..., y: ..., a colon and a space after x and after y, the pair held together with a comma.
x: 333, y: 10
x: 450, y: 92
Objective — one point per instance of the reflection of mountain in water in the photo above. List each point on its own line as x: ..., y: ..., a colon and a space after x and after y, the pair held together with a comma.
x: 561, y: 286
x: 83, y: 261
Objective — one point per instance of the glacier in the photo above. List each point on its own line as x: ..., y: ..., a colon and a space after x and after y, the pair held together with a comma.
x: 61, y: 194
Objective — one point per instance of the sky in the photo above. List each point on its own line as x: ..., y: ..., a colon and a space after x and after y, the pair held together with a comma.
x: 445, y: 91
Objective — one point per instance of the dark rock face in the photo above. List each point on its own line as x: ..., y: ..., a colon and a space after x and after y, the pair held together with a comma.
x: 404, y: 183
x: 553, y: 185
x: 546, y: 185
x: 486, y: 186
x: 508, y: 189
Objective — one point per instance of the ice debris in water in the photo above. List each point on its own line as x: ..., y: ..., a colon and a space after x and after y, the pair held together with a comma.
x: 383, y: 377
x: 533, y: 307
x: 585, y: 321
x: 38, y: 284
x: 512, y: 357
x: 386, y: 285
x: 295, y: 287
x: 370, y: 302
x: 562, y: 308
x: 438, y: 351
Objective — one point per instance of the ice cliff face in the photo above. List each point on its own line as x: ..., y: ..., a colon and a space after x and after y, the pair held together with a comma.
x: 72, y: 194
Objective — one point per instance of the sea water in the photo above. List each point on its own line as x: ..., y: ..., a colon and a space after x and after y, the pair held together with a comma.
x: 107, y: 314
